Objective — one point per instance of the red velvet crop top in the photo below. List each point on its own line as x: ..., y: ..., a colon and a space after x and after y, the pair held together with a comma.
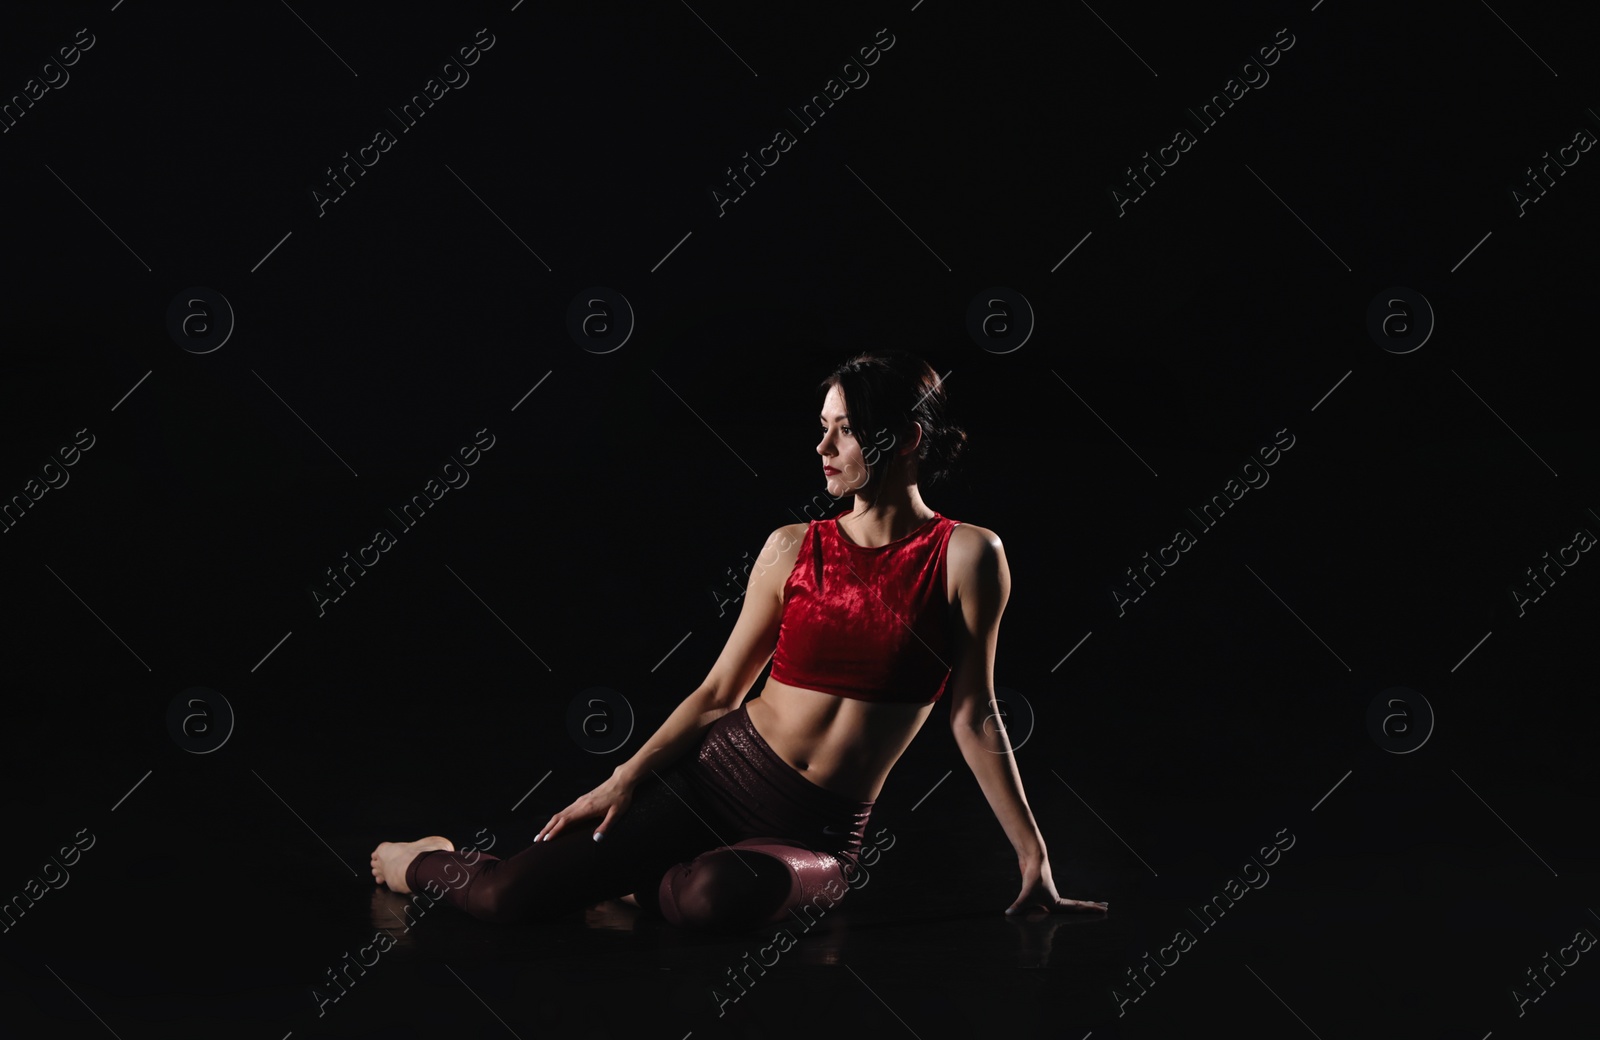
x: 869, y: 623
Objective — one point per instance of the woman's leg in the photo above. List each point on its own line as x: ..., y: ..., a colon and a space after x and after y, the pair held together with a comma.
x: 749, y: 884
x: 789, y: 841
x: 666, y: 822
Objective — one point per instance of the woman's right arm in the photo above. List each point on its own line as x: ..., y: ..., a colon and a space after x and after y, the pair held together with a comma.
x: 749, y: 648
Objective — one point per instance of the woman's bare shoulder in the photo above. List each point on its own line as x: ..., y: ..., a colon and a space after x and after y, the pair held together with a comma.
x: 970, y: 539
x: 971, y: 548
x: 782, y: 548
x: 972, y: 530
x: 786, y: 539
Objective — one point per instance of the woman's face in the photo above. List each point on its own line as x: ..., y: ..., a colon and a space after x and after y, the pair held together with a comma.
x: 840, y: 450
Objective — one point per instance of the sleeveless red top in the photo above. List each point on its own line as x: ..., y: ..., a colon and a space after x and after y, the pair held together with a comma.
x: 869, y: 623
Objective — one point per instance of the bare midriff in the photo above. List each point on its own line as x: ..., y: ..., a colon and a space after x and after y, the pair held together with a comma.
x: 838, y: 743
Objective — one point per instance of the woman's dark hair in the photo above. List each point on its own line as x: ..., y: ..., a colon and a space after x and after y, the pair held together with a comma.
x: 886, y: 391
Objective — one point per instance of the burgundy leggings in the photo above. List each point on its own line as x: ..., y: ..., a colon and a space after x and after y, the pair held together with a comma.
x: 730, y: 838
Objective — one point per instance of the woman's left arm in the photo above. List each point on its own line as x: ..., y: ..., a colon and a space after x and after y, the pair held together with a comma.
x: 983, y: 584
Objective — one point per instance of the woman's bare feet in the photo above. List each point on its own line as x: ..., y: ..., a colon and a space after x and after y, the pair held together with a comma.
x: 391, y: 858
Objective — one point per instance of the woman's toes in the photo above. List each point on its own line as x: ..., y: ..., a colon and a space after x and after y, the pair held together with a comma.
x: 391, y: 859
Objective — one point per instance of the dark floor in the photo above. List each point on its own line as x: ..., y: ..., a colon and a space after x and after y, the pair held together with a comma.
x: 1350, y: 932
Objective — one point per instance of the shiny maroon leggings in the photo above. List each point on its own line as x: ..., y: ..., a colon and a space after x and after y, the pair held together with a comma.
x: 729, y: 839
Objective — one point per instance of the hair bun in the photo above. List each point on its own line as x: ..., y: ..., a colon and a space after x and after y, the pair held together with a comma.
x: 886, y: 388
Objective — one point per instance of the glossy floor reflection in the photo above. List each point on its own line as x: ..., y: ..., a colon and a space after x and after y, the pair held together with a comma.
x: 1350, y: 931
x: 1360, y: 943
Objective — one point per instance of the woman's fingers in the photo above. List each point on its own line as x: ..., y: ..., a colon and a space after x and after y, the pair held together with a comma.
x: 558, y: 821
x: 582, y: 809
x: 1088, y: 905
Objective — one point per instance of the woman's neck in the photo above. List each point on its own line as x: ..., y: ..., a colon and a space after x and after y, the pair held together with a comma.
x: 875, y: 523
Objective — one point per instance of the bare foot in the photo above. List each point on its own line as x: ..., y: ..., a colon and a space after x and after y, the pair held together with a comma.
x: 391, y: 858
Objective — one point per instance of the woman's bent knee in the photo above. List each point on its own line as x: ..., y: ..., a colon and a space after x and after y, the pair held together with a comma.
x: 725, y: 890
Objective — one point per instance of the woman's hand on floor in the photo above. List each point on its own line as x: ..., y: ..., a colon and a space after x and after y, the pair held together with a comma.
x: 610, y: 800
x: 1039, y: 893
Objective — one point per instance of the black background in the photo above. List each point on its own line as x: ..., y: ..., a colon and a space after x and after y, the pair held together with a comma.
x: 1176, y: 339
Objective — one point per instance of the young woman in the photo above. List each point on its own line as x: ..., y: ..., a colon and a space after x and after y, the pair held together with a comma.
x: 735, y: 812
